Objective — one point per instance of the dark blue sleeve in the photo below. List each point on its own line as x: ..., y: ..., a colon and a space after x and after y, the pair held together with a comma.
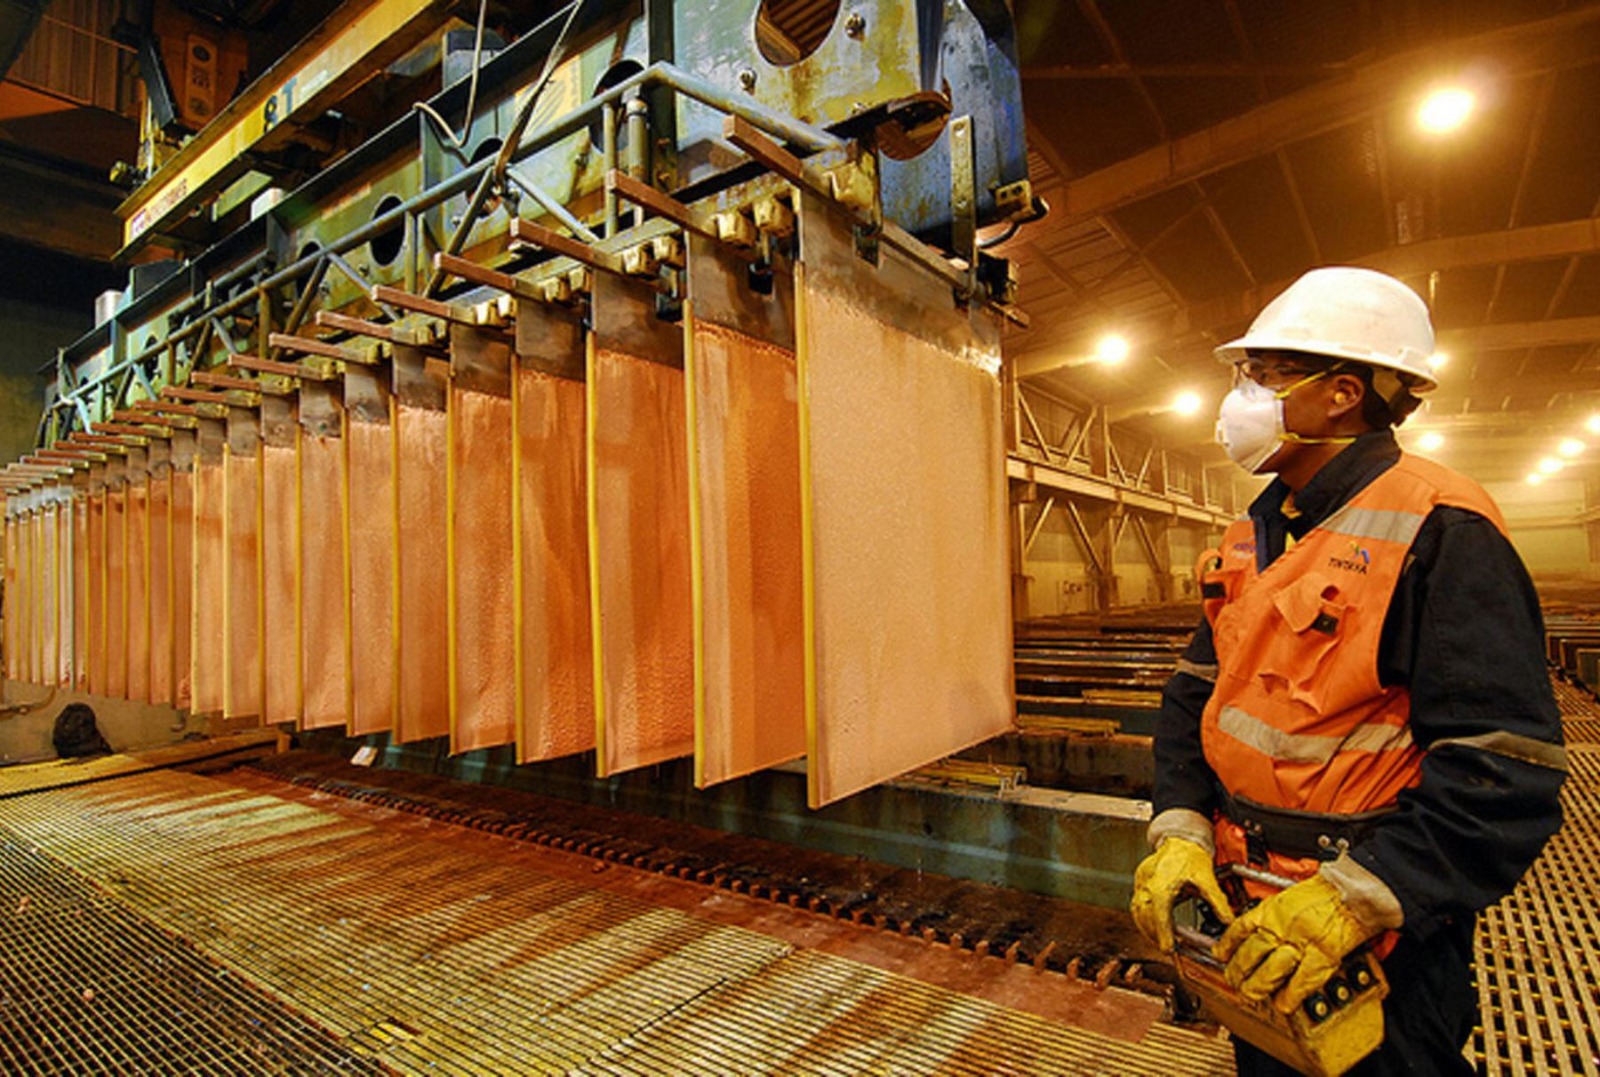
x: 1183, y: 778
x: 1465, y: 633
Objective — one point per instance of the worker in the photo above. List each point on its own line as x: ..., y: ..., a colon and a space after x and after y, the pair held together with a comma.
x: 1364, y: 707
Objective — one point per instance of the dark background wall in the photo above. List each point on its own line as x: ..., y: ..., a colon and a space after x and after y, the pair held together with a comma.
x: 46, y: 302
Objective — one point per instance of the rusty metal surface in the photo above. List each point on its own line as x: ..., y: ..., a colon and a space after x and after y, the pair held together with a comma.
x: 484, y: 708
x: 558, y: 716
x: 371, y: 470
x: 907, y: 513
x: 746, y: 446
x: 498, y: 957
x: 641, y: 566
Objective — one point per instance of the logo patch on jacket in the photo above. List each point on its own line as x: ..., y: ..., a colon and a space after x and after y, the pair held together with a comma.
x: 1356, y: 560
x: 1243, y: 549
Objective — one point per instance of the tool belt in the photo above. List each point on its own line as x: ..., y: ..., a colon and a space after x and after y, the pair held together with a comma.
x: 1298, y: 834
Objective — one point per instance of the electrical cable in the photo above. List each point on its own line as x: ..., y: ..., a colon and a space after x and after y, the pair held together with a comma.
x: 459, y: 141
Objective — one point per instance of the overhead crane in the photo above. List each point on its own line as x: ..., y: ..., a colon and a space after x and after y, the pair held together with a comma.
x: 635, y: 399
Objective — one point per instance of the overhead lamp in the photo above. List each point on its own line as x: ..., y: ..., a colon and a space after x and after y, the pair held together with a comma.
x: 1111, y: 349
x: 1437, y: 360
x: 1570, y: 447
x: 1186, y: 403
x: 1445, y: 110
x: 1550, y: 465
x: 1593, y: 424
x: 1535, y: 478
x: 1432, y: 441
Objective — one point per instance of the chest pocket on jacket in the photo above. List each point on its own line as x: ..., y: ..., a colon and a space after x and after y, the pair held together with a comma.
x: 1313, y: 619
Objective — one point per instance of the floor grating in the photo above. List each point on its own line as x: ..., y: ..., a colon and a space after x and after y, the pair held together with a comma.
x: 1539, y: 949
x: 88, y: 986
x: 427, y: 955
x: 230, y: 906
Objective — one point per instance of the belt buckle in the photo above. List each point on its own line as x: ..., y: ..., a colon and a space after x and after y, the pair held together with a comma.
x: 1331, y: 848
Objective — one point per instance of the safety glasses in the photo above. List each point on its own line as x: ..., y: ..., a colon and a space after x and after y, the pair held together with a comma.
x: 1272, y: 373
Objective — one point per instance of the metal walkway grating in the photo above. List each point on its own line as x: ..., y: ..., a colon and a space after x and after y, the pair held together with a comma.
x: 1539, y: 949
x: 88, y: 987
x: 436, y: 949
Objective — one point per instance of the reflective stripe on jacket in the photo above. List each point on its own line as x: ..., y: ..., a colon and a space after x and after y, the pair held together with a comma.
x: 1298, y: 719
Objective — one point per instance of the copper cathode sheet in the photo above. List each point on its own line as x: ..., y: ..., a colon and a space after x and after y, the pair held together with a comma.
x: 10, y: 618
x: 80, y: 593
x: 279, y: 542
x: 95, y: 529
x: 423, y: 707
x: 45, y: 587
x: 117, y: 593
x: 557, y: 649
x: 485, y: 703
x: 160, y: 587
x: 18, y: 611
x: 61, y: 582
x: 747, y: 450
x: 23, y: 592
x: 372, y: 535
x: 183, y: 566
x: 138, y: 569
x: 324, y: 605
x: 30, y: 598
x: 242, y: 615
x: 210, y: 566
x: 908, y: 515
x: 641, y: 502
x: 33, y: 629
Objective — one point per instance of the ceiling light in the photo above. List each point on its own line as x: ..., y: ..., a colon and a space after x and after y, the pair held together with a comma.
x: 1445, y: 110
x: 1534, y: 478
x: 1550, y: 465
x: 1570, y: 447
x: 1111, y: 349
x: 1593, y: 425
x: 1438, y: 360
x: 1186, y: 403
x: 1432, y: 441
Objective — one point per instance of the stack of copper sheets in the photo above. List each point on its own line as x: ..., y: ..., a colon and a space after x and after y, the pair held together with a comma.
x: 766, y: 528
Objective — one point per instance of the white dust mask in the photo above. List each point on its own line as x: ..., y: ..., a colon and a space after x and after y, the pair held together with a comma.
x: 1250, y: 422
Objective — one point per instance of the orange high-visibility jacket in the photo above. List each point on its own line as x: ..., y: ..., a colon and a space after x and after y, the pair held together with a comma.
x: 1298, y: 719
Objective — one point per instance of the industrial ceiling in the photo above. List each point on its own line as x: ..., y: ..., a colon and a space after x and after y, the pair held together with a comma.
x: 1196, y: 155
x: 1199, y: 155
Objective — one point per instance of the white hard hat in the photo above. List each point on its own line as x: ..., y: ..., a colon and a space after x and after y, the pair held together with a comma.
x: 1346, y: 313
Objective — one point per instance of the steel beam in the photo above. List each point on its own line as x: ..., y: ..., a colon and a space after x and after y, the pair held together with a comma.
x: 1089, y: 487
x: 321, y: 70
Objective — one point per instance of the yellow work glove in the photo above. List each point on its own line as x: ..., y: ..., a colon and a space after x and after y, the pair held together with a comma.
x: 1295, y: 939
x: 1177, y: 866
